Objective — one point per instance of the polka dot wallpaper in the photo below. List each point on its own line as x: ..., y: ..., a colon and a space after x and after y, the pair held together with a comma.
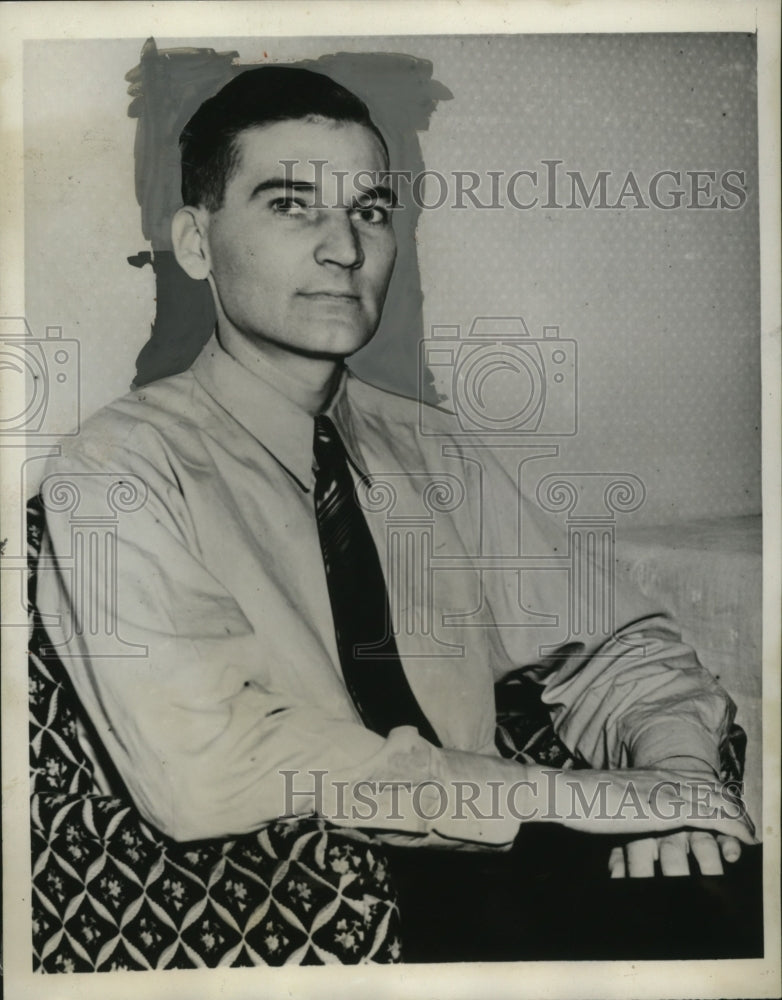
x: 662, y: 303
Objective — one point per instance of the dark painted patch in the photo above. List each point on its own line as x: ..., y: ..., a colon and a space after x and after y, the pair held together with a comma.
x: 167, y: 86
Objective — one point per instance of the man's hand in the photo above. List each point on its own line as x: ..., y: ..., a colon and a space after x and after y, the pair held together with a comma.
x: 637, y: 858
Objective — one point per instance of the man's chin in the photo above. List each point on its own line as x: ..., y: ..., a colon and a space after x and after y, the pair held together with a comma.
x: 333, y: 343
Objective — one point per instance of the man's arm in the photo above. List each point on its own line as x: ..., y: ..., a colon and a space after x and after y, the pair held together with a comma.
x: 622, y: 688
x: 632, y: 697
x: 205, y: 745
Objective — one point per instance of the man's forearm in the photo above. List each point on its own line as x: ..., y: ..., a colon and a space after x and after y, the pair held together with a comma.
x: 461, y: 799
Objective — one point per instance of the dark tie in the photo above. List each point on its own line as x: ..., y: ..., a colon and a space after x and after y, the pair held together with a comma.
x: 359, y: 601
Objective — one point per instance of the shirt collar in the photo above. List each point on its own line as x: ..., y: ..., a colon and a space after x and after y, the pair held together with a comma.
x: 255, y: 399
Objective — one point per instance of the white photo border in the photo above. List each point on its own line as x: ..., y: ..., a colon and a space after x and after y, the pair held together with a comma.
x: 213, y: 21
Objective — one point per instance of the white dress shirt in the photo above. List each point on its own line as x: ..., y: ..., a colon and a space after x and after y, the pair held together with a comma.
x: 227, y: 693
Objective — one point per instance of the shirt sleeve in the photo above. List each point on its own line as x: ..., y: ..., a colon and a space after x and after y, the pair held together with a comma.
x: 204, y: 749
x: 622, y: 688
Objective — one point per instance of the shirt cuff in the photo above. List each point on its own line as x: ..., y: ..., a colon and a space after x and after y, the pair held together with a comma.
x: 447, y: 798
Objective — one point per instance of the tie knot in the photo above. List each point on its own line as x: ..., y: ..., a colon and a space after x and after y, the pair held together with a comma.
x: 325, y: 430
x: 327, y: 445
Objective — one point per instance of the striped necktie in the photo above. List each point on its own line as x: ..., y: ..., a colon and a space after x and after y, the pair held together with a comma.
x: 359, y: 600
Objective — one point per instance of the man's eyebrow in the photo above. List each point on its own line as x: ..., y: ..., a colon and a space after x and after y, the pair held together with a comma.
x: 375, y: 193
x: 379, y: 192
x: 281, y: 183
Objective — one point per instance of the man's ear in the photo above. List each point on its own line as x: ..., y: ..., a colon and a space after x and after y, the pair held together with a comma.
x: 189, y: 235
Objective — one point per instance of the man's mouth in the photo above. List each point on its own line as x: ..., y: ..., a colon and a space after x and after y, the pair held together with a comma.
x: 335, y: 296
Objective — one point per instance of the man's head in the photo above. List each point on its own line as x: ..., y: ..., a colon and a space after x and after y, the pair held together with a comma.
x: 257, y: 97
x: 284, y: 212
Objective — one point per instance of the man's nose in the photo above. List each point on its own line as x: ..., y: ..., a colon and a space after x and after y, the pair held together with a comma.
x: 340, y: 241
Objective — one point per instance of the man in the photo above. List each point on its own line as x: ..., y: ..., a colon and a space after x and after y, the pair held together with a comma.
x: 256, y: 582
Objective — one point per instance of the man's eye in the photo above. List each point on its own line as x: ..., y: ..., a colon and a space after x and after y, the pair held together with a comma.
x: 289, y: 206
x: 375, y: 215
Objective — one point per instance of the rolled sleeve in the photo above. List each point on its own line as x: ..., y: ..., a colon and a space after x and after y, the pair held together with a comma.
x: 632, y: 695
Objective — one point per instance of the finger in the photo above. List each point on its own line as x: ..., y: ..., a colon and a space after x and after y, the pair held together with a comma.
x: 641, y: 856
x: 616, y: 863
x: 730, y: 847
x: 706, y: 852
x: 673, y: 854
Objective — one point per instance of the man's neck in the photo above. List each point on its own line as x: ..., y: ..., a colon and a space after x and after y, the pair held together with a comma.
x: 308, y: 382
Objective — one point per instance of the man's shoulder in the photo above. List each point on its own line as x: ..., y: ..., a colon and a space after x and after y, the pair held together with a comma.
x: 131, y: 423
x: 399, y: 409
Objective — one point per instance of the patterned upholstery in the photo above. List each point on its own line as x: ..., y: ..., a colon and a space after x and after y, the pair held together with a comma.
x: 110, y: 892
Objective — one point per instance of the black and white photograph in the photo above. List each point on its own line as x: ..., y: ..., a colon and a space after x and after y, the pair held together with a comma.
x: 390, y: 474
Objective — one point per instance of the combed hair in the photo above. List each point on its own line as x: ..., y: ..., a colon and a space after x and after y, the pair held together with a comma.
x: 208, y: 143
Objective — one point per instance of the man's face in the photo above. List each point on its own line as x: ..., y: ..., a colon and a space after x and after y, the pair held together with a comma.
x: 298, y: 277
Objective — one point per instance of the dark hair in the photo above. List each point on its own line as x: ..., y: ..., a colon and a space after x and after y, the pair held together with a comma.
x: 253, y: 98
